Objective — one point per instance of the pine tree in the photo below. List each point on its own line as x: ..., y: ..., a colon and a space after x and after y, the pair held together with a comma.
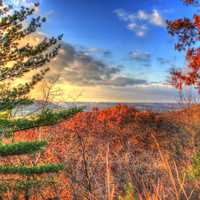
x: 16, y: 25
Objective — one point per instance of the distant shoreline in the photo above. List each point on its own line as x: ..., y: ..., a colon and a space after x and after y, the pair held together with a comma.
x: 37, y: 106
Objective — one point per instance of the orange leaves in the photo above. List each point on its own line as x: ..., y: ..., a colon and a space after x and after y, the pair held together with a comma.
x: 111, y: 123
x: 124, y: 128
x: 191, y: 77
x: 188, y: 33
x: 176, y: 79
x: 100, y: 120
x: 197, y: 23
x: 191, y: 2
x: 145, y: 117
x: 119, y: 114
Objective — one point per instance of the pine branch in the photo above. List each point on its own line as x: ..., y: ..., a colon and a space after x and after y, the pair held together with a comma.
x: 35, y: 62
x: 26, y: 58
x: 22, y: 185
x: 21, y: 148
x: 28, y: 171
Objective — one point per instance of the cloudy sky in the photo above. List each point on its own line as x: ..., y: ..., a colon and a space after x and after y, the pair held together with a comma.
x: 113, y: 50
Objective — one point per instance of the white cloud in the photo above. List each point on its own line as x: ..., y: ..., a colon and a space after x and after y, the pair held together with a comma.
x: 80, y: 69
x: 139, y: 30
x: 139, y: 22
x: 132, y: 26
x: 122, y: 14
x: 140, y: 56
x: 100, y: 81
x: 140, y: 33
x: 156, y: 19
x: 142, y: 15
x: 95, y: 51
x: 152, y: 92
x: 19, y: 2
x: 157, y: 85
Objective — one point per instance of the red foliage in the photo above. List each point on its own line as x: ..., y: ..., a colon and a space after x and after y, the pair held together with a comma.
x: 191, y: 1
x: 188, y: 32
x: 116, y: 116
x: 119, y: 126
x: 113, y: 122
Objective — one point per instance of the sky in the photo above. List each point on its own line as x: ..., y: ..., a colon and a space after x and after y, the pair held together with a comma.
x: 113, y: 50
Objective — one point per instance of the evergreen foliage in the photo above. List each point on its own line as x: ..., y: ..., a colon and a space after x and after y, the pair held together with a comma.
x: 21, y: 186
x: 47, y: 117
x: 28, y: 171
x: 17, y: 61
x: 22, y: 148
x: 26, y: 58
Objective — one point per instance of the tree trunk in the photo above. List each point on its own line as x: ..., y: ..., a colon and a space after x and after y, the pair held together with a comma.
x: 14, y: 197
x: 26, y: 195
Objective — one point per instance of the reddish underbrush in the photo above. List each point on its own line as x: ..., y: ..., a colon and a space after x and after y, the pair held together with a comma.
x: 104, y: 150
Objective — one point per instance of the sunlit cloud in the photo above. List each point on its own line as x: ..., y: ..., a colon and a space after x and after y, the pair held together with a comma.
x: 98, y: 81
x: 139, y: 22
x: 80, y: 69
x: 152, y: 92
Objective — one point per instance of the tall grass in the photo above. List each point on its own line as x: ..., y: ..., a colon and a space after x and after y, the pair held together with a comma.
x: 177, y: 182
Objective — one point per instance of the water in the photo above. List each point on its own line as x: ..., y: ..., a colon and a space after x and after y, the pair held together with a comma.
x: 37, y: 107
x: 156, y: 107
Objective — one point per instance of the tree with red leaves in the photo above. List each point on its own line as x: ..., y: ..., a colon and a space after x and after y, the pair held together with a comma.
x: 188, y: 33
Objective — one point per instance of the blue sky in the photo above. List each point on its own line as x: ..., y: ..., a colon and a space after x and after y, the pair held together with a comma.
x: 94, y: 24
x: 128, y: 36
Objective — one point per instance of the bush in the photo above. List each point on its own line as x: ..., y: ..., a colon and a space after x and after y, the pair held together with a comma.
x: 194, y: 172
x: 130, y: 193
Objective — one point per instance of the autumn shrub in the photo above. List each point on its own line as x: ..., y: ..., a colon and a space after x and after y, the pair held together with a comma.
x: 91, y: 170
x: 133, y: 155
